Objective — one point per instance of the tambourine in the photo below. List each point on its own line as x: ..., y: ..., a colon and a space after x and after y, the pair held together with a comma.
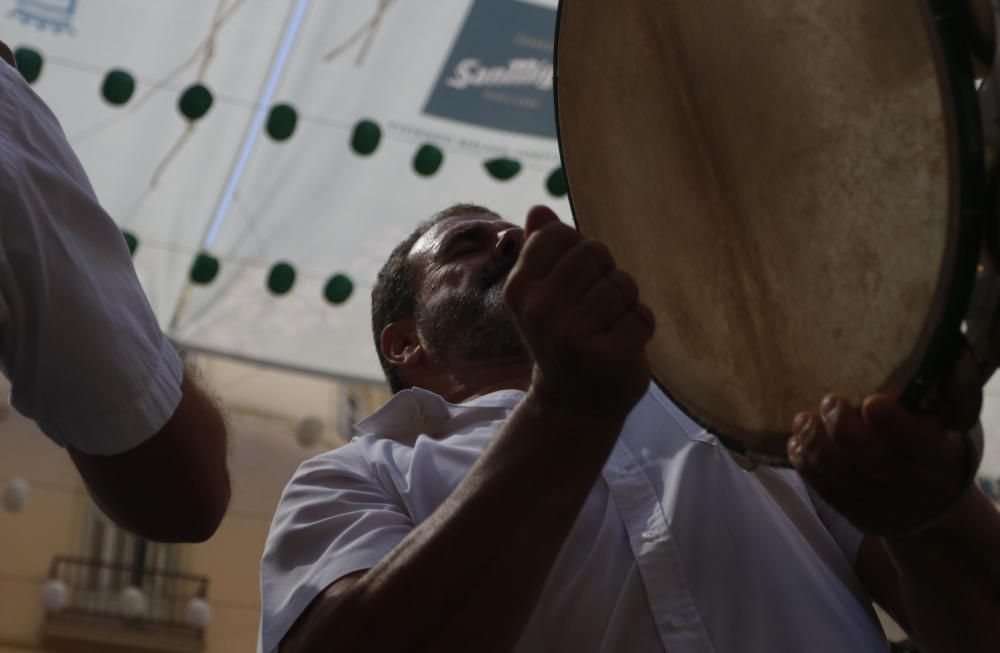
x: 799, y: 188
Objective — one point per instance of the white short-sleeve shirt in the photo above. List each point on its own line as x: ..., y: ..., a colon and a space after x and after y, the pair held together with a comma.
x: 676, y: 548
x: 78, y: 340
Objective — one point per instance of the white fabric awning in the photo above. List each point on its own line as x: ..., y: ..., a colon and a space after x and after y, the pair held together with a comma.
x: 461, y: 82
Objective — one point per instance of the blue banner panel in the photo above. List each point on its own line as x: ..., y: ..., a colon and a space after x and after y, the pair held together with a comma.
x: 499, y: 72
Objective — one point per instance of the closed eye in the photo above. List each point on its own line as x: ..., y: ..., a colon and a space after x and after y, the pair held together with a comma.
x: 468, y: 241
x: 459, y: 252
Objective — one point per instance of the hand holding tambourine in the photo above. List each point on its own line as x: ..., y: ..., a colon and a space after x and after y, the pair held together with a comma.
x: 884, y: 469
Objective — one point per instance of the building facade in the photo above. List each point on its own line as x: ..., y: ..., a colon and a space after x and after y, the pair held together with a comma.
x: 107, y: 590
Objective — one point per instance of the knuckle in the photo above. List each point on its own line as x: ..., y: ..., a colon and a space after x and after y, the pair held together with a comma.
x: 558, y: 231
x: 532, y: 248
x: 547, y: 243
x: 513, y: 289
x: 533, y: 312
x: 601, y: 253
x: 628, y: 285
x: 510, y: 297
x: 647, y: 316
x: 814, y: 451
x: 833, y: 425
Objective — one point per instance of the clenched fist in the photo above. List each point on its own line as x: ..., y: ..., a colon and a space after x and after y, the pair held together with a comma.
x: 581, y: 320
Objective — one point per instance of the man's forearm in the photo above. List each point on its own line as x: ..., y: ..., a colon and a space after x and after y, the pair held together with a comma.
x: 469, y: 576
x: 950, y: 578
x: 175, y: 486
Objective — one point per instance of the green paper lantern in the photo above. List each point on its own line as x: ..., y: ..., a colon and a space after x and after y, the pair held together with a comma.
x: 205, y: 269
x: 29, y: 62
x: 131, y: 241
x: 427, y: 160
x: 195, y: 102
x: 366, y: 137
x: 503, y: 169
x: 281, y: 279
x: 281, y: 122
x: 556, y: 183
x: 338, y: 289
x: 118, y: 87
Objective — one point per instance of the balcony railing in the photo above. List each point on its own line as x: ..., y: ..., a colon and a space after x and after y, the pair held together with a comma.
x: 104, y: 606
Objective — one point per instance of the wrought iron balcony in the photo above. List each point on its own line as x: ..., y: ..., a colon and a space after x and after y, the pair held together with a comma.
x: 98, y: 606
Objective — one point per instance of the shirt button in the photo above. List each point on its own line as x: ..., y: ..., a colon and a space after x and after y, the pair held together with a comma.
x: 651, y: 535
x: 678, y: 620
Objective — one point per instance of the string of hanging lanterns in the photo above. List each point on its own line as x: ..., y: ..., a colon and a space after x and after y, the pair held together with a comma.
x: 118, y: 87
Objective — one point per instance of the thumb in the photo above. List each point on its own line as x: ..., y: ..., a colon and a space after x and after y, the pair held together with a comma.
x: 922, y: 438
x: 538, y: 217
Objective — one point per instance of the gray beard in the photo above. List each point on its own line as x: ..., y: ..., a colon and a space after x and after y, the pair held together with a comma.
x: 468, y: 328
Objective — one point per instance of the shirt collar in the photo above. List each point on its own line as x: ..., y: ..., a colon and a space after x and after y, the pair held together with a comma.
x: 413, y: 412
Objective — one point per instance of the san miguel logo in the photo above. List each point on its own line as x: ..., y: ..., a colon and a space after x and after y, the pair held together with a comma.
x: 499, y: 71
x: 536, y: 73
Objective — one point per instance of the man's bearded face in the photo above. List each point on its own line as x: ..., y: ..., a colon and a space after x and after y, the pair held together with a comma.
x: 471, y: 323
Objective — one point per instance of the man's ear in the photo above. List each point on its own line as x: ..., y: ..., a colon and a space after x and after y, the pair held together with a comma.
x: 401, y: 345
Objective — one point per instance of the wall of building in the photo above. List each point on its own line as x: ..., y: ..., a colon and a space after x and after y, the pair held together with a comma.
x: 50, y: 524
x: 265, y: 408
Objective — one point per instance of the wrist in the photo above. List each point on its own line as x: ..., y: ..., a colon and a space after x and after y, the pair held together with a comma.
x: 962, y: 522
x: 947, y: 519
x: 573, y: 413
x: 964, y: 497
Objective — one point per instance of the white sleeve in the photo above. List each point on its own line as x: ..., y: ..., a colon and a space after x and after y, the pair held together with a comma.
x: 334, y: 518
x: 78, y: 340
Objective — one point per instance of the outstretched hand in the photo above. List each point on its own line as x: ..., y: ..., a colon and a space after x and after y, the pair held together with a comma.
x: 580, y: 318
x: 884, y: 469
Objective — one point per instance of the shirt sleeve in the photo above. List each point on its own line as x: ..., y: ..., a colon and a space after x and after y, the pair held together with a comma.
x: 78, y: 340
x: 334, y: 518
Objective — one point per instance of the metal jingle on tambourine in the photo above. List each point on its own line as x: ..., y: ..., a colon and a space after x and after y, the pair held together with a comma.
x: 958, y: 397
x: 981, y: 327
x: 991, y: 227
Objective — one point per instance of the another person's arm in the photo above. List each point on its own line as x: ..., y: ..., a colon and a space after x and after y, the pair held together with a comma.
x: 82, y: 348
x: 175, y: 485
x: 886, y: 470
x: 468, y: 577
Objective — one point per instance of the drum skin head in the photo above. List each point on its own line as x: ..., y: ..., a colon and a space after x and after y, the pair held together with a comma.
x: 778, y: 176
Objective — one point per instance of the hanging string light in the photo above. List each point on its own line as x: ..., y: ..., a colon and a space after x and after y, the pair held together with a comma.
x: 366, y: 137
x: 195, y: 102
x: 338, y: 289
x: 503, y: 168
x: 131, y: 241
x: 427, y: 160
x: 309, y: 431
x: 281, y: 122
x: 118, y: 87
x: 29, y: 63
x: 204, y: 269
x: 133, y: 602
x: 281, y: 278
x: 556, y: 183
x: 15, y: 495
x: 198, y: 613
x: 55, y: 595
